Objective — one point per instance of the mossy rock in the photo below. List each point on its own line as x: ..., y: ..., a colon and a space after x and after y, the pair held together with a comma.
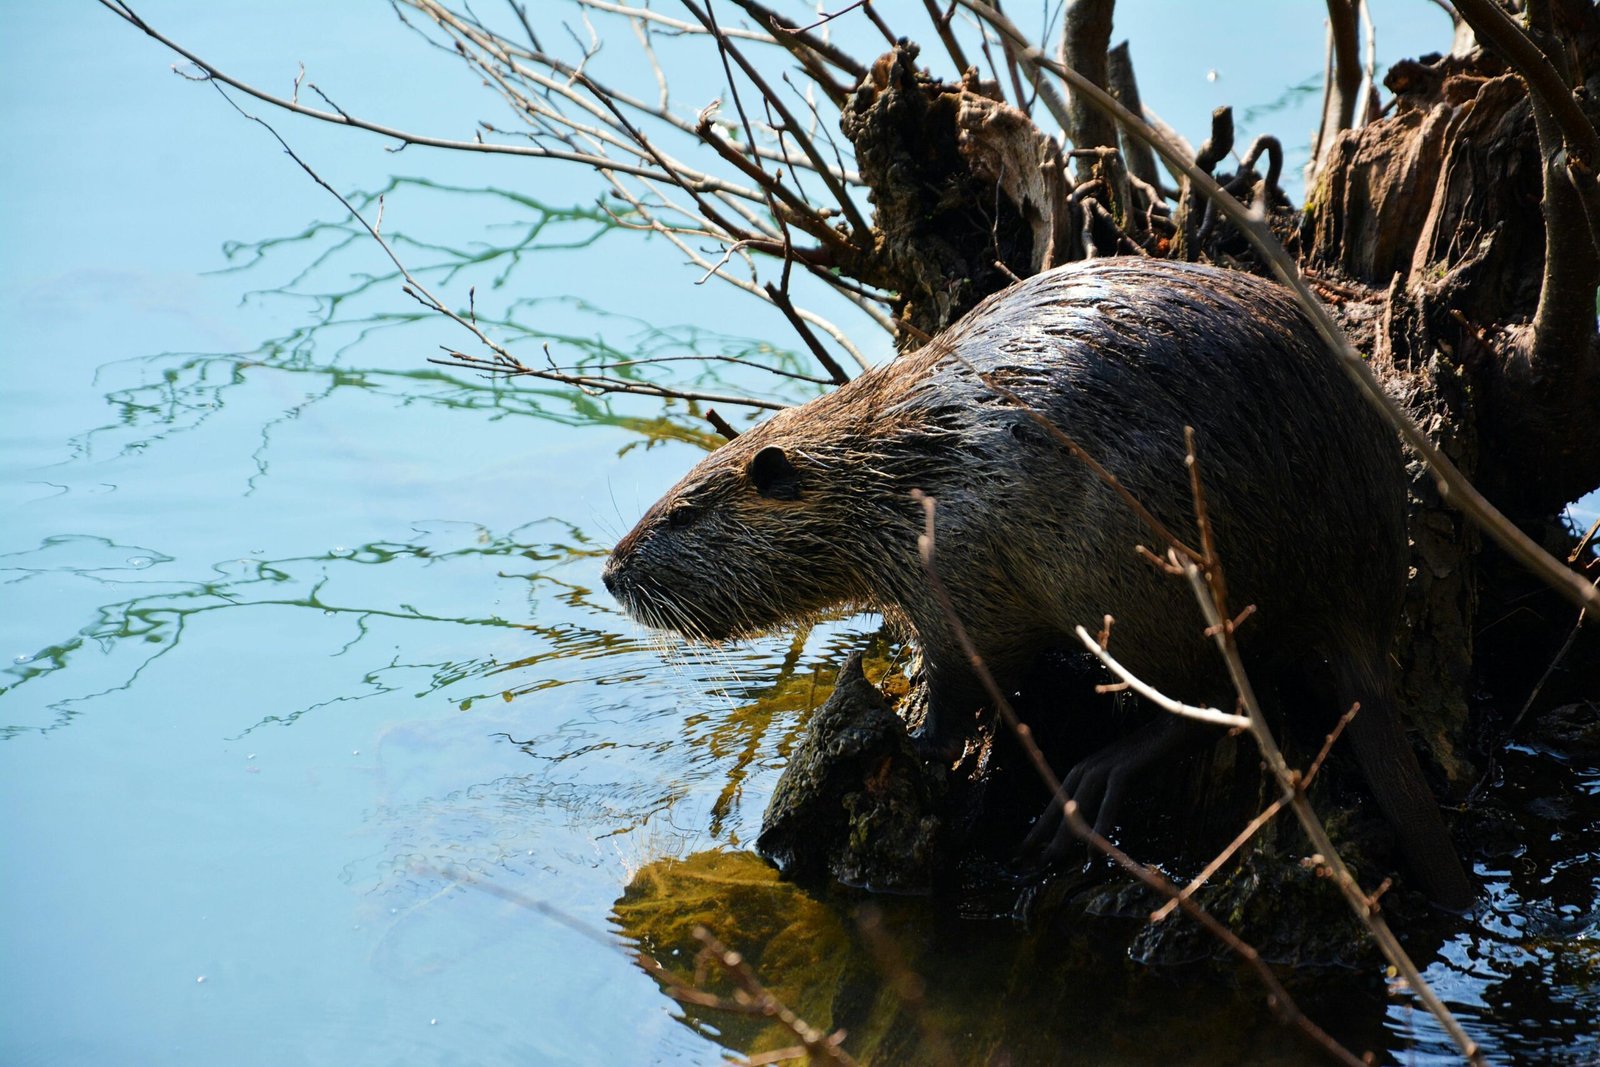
x: 856, y: 803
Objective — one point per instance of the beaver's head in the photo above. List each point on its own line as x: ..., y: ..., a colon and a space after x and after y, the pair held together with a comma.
x: 794, y: 517
x: 732, y: 549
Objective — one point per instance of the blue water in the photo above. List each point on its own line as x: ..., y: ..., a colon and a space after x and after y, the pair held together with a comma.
x: 293, y: 621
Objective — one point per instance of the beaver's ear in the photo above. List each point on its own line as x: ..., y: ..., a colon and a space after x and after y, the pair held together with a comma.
x: 774, y: 476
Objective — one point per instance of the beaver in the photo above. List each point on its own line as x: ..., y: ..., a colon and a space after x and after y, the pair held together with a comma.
x: 812, y: 511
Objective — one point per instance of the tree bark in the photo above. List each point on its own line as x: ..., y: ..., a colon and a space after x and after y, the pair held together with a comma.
x: 1460, y: 209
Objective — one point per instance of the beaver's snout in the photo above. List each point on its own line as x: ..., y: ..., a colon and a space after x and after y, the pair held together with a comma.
x: 622, y: 588
x: 621, y: 577
x: 611, y: 578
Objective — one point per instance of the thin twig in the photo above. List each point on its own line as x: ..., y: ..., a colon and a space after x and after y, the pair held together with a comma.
x: 720, y: 424
x: 829, y: 17
x: 781, y: 300
x: 1327, y: 744
x: 790, y: 35
x: 861, y: 230
x: 1250, y: 830
x: 1159, y: 699
x: 1208, y: 586
x: 404, y: 136
x: 1254, y: 826
x: 1561, y: 654
x: 941, y: 28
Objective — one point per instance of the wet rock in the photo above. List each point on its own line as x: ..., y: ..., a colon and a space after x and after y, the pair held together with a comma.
x: 1571, y: 730
x: 855, y: 803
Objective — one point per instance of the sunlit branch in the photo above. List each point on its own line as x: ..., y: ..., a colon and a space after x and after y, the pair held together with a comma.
x: 1159, y: 699
x: 840, y: 194
x: 509, y: 54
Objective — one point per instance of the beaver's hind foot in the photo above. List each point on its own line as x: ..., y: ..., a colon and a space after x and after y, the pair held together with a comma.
x: 1101, y: 783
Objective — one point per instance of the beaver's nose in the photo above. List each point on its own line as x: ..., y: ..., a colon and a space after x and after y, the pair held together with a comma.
x: 608, y: 576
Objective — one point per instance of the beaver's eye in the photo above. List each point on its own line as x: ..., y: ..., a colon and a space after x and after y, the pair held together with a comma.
x: 681, y: 515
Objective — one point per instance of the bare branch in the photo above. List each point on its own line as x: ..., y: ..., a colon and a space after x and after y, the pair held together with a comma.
x: 720, y: 424
x: 482, y: 41
x: 781, y: 300
x: 1254, y: 826
x: 1210, y: 592
x: 1220, y: 860
x: 792, y: 36
x: 1327, y: 744
x: 1270, y: 147
x: 645, y: 14
x: 675, y: 237
x: 406, y: 137
x: 1085, y: 40
x: 1344, y: 76
x: 877, y: 21
x: 501, y: 361
x: 799, y: 211
x: 941, y: 27
x: 835, y: 188
x: 1364, y: 906
x: 1159, y: 699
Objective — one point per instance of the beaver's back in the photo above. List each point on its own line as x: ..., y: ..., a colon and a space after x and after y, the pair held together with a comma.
x: 1304, y: 483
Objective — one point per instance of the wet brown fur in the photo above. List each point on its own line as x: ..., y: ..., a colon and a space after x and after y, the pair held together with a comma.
x: 812, y: 510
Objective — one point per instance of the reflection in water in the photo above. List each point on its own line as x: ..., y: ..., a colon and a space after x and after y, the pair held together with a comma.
x: 612, y: 775
x: 344, y: 307
x: 987, y: 992
x: 144, y: 627
x: 192, y: 388
x: 179, y: 393
x: 798, y: 946
x: 906, y: 978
